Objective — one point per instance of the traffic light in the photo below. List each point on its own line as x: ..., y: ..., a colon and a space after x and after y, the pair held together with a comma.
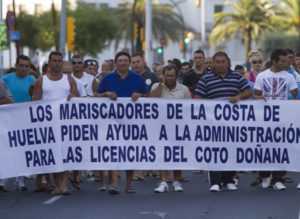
x: 160, y: 50
x: 135, y: 30
x: 197, y: 3
x: 142, y: 34
x: 70, y: 33
x: 186, y: 38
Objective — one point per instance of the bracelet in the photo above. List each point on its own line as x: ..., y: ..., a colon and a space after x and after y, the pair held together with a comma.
x: 162, y: 84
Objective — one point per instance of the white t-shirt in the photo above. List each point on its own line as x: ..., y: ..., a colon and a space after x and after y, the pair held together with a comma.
x: 87, y: 82
x: 80, y: 87
x: 275, y: 86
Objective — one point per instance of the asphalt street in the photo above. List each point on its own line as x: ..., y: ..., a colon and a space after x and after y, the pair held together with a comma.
x: 195, y: 202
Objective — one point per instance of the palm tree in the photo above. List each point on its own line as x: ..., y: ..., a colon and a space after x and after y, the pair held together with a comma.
x: 165, y: 22
x: 250, y: 19
x: 288, y: 15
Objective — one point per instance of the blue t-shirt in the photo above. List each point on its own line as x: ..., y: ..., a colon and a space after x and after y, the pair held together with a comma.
x: 123, y: 87
x: 19, y: 87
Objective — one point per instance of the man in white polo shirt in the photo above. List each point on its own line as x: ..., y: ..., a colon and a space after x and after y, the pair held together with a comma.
x: 169, y: 88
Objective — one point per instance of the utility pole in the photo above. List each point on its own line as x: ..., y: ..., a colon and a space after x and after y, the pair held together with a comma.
x: 1, y: 52
x: 63, y: 17
x: 148, y: 25
x: 16, y: 28
x: 203, y: 22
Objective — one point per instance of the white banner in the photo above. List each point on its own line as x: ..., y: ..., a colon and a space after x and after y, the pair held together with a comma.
x: 100, y: 134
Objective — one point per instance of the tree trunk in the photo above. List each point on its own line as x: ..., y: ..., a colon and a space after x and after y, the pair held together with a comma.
x: 248, y: 42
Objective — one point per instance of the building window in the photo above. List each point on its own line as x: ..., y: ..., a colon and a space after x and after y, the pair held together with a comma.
x: 218, y: 8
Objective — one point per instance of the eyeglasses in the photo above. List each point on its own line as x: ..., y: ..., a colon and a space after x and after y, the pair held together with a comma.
x: 78, y: 62
x: 257, y: 62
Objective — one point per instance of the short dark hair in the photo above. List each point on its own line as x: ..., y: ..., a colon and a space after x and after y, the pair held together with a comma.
x: 170, y: 67
x: 200, y: 51
x: 177, y: 63
x: 55, y: 53
x: 77, y: 56
x: 137, y: 54
x: 277, y: 53
x: 45, y: 68
x: 122, y: 53
x: 289, y: 51
x: 186, y: 63
x: 22, y: 57
x: 239, y: 67
x: 221, y: 53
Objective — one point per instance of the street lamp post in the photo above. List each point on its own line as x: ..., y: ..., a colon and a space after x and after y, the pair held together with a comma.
x: 203, y: 22
x: 148, y: 54
x: 63, y: 17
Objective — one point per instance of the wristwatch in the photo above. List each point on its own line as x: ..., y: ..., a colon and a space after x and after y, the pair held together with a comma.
x: 162, y: 84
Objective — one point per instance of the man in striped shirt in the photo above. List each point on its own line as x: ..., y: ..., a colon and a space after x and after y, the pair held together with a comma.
x: 223, y: 84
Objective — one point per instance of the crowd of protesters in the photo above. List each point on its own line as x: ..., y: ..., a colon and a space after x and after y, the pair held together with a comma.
x: 129, y: 76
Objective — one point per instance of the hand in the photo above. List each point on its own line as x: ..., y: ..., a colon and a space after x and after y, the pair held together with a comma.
x: 161, y: 78
x: 111, y: 95
x: 71, y: 95
x: 234, y: 99
x: 260, y: 97
x: 135, y: 96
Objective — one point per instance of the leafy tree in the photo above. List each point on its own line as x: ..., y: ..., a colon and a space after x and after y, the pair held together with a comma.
x: 95, y: 28
x: 48, y: 36
x: 250, y: 20
x: 287, y: 16
x: 165, y: 22
x: 276, y: 39
x: 29, y: 30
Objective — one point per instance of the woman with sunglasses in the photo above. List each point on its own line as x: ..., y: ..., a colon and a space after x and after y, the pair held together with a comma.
x: 256, y: 61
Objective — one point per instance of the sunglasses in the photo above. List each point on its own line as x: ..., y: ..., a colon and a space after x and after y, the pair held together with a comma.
x: 90, y: 62
x: 78, y: 62
x: 257, y: 62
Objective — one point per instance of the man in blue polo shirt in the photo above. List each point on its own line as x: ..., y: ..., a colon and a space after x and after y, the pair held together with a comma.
x: 223, y: 84
x: 122, y: 83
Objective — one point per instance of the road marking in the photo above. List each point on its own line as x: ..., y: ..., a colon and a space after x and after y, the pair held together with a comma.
x: 299, y: 214
x: 53, y: 199
x: 160, y: 214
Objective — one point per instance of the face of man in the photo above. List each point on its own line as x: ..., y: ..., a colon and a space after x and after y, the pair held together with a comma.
x: 297, y: 61
x: 105, y: 67
x: 208, y: 62
x: 291, y: 59
x: 138, y: 64
x: 170, y: 78
x: 122, y: 64
x: 241, y: 71
x: 159, y: 69
x: 56, y: 63
x: 220, y: 65
x: 198, y: 59
x: 185, y: 68
x: 77, y: 64
x: 67, y: 69
x: 281, y: 64
x: 91, y: 69
x: 22, y: 68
